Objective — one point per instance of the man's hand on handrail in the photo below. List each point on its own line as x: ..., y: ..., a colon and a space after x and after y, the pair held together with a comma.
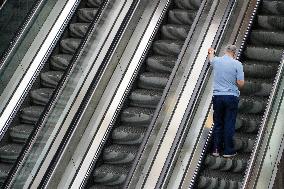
x: 211, y: 52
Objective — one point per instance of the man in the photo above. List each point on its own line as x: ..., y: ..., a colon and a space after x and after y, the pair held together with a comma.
x: 228, y: 79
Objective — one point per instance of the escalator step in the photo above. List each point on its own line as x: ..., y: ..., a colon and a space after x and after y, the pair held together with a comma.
x: 252, y: 104
x: 174, y: 32
x: 110, y: 174
x: 10, y: 152
x: 221, y: 180
x: 137, y: 116
x: 78, y: 30
x: 31, y: 114
x: 86, y: 14
x: 4, y: 171
x: 234, y: 165
x: 41, y: 96
x: 181, y: 17
x: 272, y: 7
x: 255, y: 69
x: 185, y: 4
x: 270, y: 54
x: 271, y: 22
x: 257, y: 87
x: 244, y: 142
x: 248, y: 123
x: 51, y: 78
x: 94, y: 3
x: 104, y: 187
x: 128, y: 135
x: 20, y: 133
x: 167, y: 47
x: 60, y: 61
x: 149, y: 80
x: 262, y: 37
x: 145, y: 98
x: 163, y: 64
x: 119, y: 154
x: 70, y: 45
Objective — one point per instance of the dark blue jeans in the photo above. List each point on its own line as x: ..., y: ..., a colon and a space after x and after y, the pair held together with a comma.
x: 225, y: 113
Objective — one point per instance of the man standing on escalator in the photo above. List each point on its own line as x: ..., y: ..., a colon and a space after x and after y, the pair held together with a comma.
x: 228, y: 79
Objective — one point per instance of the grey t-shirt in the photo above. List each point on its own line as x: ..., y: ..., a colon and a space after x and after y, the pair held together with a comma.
x: 226, y: 72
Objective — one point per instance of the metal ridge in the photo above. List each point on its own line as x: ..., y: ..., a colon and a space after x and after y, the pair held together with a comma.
x: 27, y: 147
x: 20, y: 32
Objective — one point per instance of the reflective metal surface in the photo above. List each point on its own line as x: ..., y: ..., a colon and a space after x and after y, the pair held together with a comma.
x: 33, y: 61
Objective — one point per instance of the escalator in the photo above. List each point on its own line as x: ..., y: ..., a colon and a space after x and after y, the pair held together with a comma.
x: 124, y: 140
x: 260, y: 59
x: 34, y: 104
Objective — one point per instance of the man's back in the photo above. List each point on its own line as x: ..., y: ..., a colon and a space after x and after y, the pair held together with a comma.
x: 226, y: 72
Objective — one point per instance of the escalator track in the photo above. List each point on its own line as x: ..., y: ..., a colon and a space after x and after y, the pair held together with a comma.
x: 34, y: 105
x: 260, y: 59
x: 124, y: 140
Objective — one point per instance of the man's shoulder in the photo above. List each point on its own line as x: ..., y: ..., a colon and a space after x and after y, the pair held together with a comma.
x: 216, y: 59
x: 238, y: 62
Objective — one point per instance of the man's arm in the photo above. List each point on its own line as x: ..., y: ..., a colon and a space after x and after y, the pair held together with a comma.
x: 211, y: 54
x: 240, y: 83
x: 240, y: 76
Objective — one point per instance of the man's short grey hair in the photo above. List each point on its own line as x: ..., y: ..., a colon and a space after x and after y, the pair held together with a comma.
x: 231, y: 48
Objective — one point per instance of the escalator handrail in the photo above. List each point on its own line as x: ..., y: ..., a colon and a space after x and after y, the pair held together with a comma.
x: 240, y: 41
x: 31, y: 140
x: 20, y: 34
x: 37, y: 63
x: 181, y: 132
x: 256, y: 159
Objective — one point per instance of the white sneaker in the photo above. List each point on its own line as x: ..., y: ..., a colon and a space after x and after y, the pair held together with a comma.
x: 229, y: 155
x: 216, y: 153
